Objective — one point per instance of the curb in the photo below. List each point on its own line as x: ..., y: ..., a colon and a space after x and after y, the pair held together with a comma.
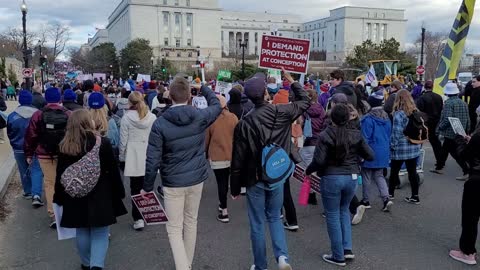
x: 8, y: 170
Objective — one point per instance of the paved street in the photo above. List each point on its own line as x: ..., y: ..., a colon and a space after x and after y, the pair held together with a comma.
x: 411, y: 237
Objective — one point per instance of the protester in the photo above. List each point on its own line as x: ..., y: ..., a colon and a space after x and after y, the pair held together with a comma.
x: 453, y: 107
x: 336, y: 161
x: 219, y: 138
x: 39, y: 101
x: 362, y: 105
x: 272, y: 87
x: 11, y: 94
x: 376, y: 129
x: 474, y: 103
x: 315, y: 117
x: 44, y: 133
x: 394, y: 88
x: 70, y: 100
x: 30, y: 175
x: 337, y: 81
x: 265, y: 123
x: 134, y: 131
x: 176, y: 147
x: 105, y: 125
x: 417, y: 91
x: 3, y: 120
x: 235, y: 103
x: 431, y: 104
x: 151, y: 94
x: 402, y: 150
x: 324, y: 96
x: 93, y: 213
x: 199, y: 101
x: 82, y: 99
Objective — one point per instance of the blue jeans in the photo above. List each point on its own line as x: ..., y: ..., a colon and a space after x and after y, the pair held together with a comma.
x: 31, y: 176
x: 92, y: 245
x: 337, y: 192
x: 265, y: 205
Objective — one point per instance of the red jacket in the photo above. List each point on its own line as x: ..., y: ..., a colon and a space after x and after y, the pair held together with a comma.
x: 31, y: 143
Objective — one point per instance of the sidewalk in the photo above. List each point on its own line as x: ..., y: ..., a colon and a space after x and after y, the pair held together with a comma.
x: 7, y: 161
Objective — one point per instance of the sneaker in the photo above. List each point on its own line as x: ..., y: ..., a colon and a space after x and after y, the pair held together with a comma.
x: 27, y: 196
x: 243, y: 191
x: 312, y: 199
x: 292, y: 228
x: 357, y: 218
x: 138, y: 225
x: 366, y: 204
x: 437, y: 171
x: 283, y: 263
x: 463, y: 178
x: 324, y: 215
x: 391, y: 197
x: 36, y: 201
x: 387, y: 205
x: 160, y: 191
x: 462, y: 257
x: 330, y: 259
x: 53, y: 224
x: 83, y: 267
x: 348, y: 254
x: 223, y: 218
x: 413, y: 200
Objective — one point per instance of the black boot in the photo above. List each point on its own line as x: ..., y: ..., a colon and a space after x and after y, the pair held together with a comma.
x: 85, y: 267
x: 96, y: 268
x: 312, y: 199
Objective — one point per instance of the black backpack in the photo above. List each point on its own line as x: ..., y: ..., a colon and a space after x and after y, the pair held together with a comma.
x: 416, y: 129
x: 54, y: 123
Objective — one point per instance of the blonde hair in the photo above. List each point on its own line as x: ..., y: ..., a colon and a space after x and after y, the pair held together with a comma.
x: 99, y: 116
x: 404, y: 102
x: 79, y: 126
x: 136, y: 101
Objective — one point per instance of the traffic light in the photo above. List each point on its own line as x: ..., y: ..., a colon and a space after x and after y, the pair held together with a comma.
x: 164, y: 69
x: 43, y: 62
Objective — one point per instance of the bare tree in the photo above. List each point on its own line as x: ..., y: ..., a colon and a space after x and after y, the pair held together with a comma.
x: 59, y: 35
x: 433, y: 49
x: 15, y: 37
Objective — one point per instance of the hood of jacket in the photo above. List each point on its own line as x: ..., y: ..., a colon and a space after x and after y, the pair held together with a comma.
x: 123, y: 103
x: 354, y: 135
x: 346, y: 88
x: 316, y: 110
x: 25, y: 111
x: 378, y: 115
x: 181, y: 115
x: 133, y: 117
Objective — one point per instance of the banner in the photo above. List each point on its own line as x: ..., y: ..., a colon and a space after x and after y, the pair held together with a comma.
x: 299, y: 175
x: 224, y: 74
x: 370, y: 77
x: 151, y: 209
x: 289, y: 53
x: 144, y: 77
x: 450, y: 60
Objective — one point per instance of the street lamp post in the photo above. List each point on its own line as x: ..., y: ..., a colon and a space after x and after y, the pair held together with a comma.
x: 421, y: 52
x: 243, y: 45
x: 151, y: 60
x: 24, y: 10
x: 41, y: 63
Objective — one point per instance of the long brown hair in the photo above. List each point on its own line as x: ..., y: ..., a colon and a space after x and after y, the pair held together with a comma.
x: 404, y: 102
x: 79, y: 126
x: 99, y: 116
x: 136, y: 103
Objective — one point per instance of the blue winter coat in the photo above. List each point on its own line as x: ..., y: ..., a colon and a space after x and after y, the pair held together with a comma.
x: 17, y: 123
x: 376, y: 129
x: 176, y: 144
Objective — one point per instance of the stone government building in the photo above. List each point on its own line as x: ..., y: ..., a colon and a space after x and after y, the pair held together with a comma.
x: 178, y: 29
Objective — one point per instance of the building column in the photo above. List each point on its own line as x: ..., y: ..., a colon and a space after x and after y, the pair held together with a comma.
x: 226, y: 42
x: 172, y: 29
x: 251, y: 43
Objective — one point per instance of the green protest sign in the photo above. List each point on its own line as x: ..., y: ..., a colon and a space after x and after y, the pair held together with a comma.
x: 224, y: 74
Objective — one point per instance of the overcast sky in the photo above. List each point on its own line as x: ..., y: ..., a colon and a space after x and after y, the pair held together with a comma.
x: 84, y: 15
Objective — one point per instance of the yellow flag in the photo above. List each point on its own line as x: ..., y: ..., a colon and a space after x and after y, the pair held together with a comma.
x: 448, y: 66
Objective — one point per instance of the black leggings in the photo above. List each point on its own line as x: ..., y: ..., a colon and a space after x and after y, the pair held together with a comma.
x: 290, y: 212
x: 470, y: 216
x: 136, y: 184
x: 394, y: 180
x: 222, y: 176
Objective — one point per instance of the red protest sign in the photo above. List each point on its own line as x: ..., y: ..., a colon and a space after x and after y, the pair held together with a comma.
x: 299, y: 175
x: 151, y: 209
x: 290, y: 53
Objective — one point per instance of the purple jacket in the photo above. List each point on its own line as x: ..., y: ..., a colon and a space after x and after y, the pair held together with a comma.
x: 318, y: 115
x: 323, y: 99
x: 417, y: 91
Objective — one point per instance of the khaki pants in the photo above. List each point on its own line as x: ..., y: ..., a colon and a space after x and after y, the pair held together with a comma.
x: 181, y: 206
x: 49, y: 169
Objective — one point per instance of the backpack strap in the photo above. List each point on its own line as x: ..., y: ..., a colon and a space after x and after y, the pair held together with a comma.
x: 273, y: 125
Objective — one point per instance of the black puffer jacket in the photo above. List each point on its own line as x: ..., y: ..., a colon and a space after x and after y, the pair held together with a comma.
x: 347, y: 89
x: 324, y: 162
x: 253, y: 132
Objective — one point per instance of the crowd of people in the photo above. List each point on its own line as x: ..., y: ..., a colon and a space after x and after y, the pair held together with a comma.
x: 96, y: 132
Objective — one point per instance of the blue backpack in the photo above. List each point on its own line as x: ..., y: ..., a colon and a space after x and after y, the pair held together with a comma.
x: 277, y: 166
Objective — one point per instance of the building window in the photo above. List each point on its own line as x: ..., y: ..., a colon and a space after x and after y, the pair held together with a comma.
x: 179, y: 54
x: 334, y: 58
x: 335, y: 37
x: 165, y: 2
x: 318, y: 39
x: 165, y: 41
x: 188, y: 3
x: 280, y: 34
x: 189, y: 42
x: 335, y: 48
x: 177, y: 22
x: 256, y: 37
x: 383, y: 15
x: 165, y: 21
x: 167, y: 54
x: 369, y: 31
x: 177, y: 42
x: 285, y: 21
x: 385, y: 31
x: 323, y: 39
x: 382, y: 31
x: 177, y: 2
x: 374, y: 32
x: 189, y: 22
x: 190, y: 54
x: 299, y: 36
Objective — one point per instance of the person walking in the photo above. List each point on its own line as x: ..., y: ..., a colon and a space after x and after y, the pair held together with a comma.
x: 265, y: 123
x: 235, y: 105
x: 134, y: 132
x: 340, y: 86
x: 39, y: 101
x: 376, y: 129
x: 177, y: 147
x: 44, y: 133
x: 92, y: 213
x: 474, y: 103
x: 453, y: 107
x: 3, y: 119
x: 394, y: 88
x: 70, y: 100
x: 11, y: 94
x: 336, y: 161
x: 30, y: 174
x: 402, y: 150
x: 151, y: 94
x: 219, y: 138
x: 431, y: 104
x: 105, y: 125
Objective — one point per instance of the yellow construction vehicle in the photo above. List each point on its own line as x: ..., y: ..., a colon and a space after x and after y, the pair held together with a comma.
x: 386, y: 71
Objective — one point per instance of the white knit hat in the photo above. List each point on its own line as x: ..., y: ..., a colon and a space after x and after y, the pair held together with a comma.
x: 451, y: 89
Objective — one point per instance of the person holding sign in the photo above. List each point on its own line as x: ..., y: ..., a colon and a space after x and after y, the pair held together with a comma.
x: 93, y: 213
x: 456, y: 108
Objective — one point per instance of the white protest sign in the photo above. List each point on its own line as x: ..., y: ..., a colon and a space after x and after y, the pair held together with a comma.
x: 457, y: 126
